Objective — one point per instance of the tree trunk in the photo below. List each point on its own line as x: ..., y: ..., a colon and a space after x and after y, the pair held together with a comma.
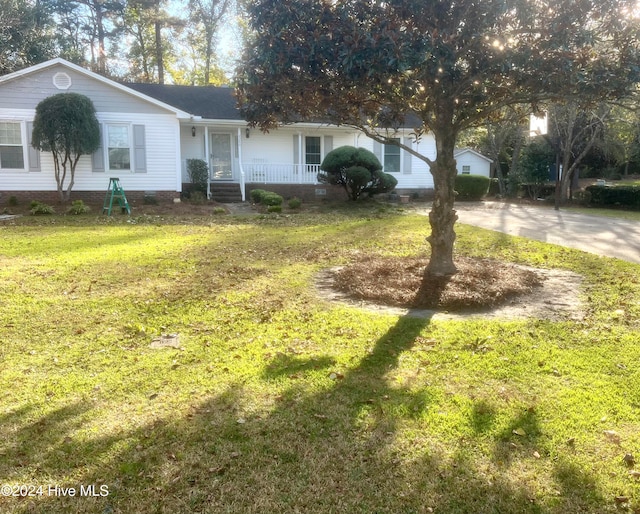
x: 442, y: 216
x: 159, y: 52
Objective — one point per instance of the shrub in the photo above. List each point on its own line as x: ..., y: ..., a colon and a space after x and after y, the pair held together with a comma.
x: 381, y: 183
x: 256, y: 195
x: 270, y: 199
x: 13, y: 201
x: 40, y: 209
x: 472, y: 187
x: 294, y: 203
x: 198, y: 171
x: 219, y: 210
x: 78, y: 207
x: 626, y: 196
x: 344, y: 167
x: 357, y: 178
x: 198, y: 198
x: 274, y: 208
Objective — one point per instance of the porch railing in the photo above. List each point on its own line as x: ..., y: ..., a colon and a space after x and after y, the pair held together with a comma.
x: 273, y: 173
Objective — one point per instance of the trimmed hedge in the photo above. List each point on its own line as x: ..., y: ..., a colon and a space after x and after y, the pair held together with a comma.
x: 472, y: 187
x: 618, y: 195
x: 265, y: 197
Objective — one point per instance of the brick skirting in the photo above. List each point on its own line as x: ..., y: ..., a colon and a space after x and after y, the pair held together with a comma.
x: 89, y: 197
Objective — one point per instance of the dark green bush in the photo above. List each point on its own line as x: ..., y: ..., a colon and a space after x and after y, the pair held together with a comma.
x: 357, y: 178
x: 381, y: 183
x: 472, y: 187
x: 294, y: 203
x: 198, y: 171
x: 256, y: 195
x: 346, y: 166
x: 274, y: 208
x: 270, y: 199
x: 624, y: 196
x: 13, y: 201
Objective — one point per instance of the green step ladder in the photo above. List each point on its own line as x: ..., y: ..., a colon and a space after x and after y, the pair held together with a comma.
x: 115, y: 192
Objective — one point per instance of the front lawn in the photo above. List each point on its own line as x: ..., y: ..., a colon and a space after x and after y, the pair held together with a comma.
x: 279, y: 401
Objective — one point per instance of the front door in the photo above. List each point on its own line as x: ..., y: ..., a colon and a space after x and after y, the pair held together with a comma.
x: 221, y: 157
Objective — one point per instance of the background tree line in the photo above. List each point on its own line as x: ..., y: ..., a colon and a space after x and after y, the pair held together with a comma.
x: 158, y: 41
x: 600, y: 140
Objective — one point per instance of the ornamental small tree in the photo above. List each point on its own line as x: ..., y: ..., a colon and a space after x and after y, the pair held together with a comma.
x: 357, y: 170
x: 66, y: 125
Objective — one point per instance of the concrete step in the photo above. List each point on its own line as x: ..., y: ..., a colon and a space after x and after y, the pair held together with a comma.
x: 226, y: 192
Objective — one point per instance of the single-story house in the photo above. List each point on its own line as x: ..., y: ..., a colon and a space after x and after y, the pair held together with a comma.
x: 157, y: 128
x: 470, y: 162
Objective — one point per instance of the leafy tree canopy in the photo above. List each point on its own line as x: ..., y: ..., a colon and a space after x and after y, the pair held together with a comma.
x: 451, y: 64
x: 66, y: 125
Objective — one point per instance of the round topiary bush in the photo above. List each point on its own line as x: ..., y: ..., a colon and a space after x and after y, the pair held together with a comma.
x: 269, y: 198
x: 472, y: 187
x: 357, y: 170
x: 256, y: 195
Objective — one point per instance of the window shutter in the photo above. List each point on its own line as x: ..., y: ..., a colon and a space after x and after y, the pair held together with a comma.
x: 32, y: 154
x: 328, y: 144
x: 139, y: 149
x: 406, y: 164
x: 97, y: 159
x: 296, y: 149
x: 377, y: 150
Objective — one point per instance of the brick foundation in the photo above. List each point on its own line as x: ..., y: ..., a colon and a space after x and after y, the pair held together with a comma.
x: 309, y: 193
x: 89, y: 197
x: 306, y: 192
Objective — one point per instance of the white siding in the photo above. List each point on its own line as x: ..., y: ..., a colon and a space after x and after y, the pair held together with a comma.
x: 26, y: 92
x: 420, y: 176
x: 161, y: 155
x: 477, y: 165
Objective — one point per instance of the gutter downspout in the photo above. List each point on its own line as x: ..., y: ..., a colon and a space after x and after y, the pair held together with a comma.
x: 242, y: 177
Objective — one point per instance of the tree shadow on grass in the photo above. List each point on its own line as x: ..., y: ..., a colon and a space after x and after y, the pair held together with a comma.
x: 337, y: 450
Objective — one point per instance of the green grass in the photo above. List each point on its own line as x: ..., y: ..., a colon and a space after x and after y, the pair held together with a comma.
x: 608, y: 213
x: 282, y: 402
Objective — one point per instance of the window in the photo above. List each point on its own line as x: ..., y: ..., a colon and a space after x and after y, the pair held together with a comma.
x: 466, y: 169
x: 392, y: 158
x: 119, y: 147
x: 11, y: 150
x: 312, y: 150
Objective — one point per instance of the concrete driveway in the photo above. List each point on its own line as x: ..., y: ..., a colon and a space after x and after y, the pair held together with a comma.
x: 596, y: 234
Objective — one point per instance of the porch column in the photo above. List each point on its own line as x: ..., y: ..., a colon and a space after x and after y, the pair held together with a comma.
x: 207, y: 159
x: 300, y: 155
x: 242, y: 187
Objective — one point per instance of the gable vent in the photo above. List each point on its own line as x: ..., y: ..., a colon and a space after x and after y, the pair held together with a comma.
x: 61, y: 80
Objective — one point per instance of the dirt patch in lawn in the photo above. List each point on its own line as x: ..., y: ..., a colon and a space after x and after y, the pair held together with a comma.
x: 482, y: 287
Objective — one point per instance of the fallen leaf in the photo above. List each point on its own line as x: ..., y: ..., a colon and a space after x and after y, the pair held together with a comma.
x: 536, y: 455
x: 241, y: 421
x: 612, y: 436
x: 629, y: 459
x: 622, y: 499
x: 571, y: 441
x: 520, y: 431
x: 634, y: 473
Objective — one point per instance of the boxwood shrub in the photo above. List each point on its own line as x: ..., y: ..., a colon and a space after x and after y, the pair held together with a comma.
x: 615, y: 195
x: 472, y: 187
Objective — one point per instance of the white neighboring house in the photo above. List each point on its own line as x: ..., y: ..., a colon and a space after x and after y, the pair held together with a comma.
x: 470, y: 162
x: 159, y: 127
